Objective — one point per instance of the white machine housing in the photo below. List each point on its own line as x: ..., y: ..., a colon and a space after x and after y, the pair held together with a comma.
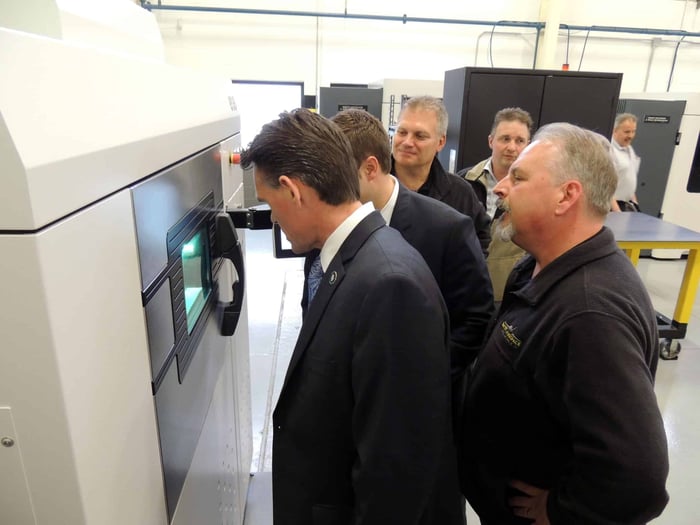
x: 79, y: 125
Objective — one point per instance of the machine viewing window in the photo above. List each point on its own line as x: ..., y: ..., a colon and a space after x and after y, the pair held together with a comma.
x: 195, y: 274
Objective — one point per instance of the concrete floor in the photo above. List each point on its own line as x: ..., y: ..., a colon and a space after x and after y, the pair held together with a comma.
x: 274, y: 294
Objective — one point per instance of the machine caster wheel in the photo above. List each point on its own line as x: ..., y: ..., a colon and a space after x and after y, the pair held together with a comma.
x: 669, y: 349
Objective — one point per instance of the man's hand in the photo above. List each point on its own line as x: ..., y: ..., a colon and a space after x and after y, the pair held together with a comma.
x: 532, y: 505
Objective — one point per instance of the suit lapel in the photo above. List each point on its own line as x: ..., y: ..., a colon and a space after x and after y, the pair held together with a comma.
x: 332, y: 278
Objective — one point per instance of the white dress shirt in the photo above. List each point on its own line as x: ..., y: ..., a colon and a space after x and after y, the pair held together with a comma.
x: 627, y: 166
x: 337, y: 238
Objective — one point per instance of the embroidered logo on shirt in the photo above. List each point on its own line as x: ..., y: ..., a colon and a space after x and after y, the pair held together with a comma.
x: 508, y: 331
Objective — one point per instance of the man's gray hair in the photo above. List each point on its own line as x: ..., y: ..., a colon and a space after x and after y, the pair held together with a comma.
x: 622, y: 117
x: 426, y: 102
x: 584, y: 156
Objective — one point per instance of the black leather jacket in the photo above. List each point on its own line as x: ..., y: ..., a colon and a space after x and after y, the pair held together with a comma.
x: 459, y: 194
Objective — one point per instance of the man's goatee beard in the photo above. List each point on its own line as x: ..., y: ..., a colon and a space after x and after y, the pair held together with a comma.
x: 504, y: 232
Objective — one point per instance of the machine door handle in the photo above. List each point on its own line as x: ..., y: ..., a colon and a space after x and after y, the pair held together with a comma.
x: 229, y: 247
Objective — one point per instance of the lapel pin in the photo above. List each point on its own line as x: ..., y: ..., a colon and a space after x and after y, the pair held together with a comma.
x: 334, y: 277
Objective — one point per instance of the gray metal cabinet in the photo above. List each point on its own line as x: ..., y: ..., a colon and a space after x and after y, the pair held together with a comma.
x: 472, y: 96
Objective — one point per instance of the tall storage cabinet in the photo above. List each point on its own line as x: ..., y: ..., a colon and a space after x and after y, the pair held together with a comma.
x: 473, y: 95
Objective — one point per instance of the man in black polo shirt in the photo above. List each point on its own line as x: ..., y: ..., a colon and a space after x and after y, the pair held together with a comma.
x: 561, y: 424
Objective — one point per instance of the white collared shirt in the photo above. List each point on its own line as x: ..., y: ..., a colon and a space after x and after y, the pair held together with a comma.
x: 627, y: 166
x: 337, y: 238
x: 388, y: 210
x: 491, y: 182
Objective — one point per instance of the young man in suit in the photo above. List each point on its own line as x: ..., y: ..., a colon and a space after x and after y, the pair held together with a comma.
x: 362, y: 427
x: 444, y: 237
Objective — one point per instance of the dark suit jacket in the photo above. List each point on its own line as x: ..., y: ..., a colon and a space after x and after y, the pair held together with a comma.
x: 447, y: 241
x: 362, y: 431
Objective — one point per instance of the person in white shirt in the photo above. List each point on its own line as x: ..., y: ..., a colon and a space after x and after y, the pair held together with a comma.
x: 626, y: 162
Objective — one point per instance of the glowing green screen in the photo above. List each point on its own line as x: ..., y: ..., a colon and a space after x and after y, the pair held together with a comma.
x: 195, y: 273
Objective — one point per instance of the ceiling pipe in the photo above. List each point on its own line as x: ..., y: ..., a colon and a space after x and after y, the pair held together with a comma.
x: 633, y: 30
x: 406, y: 19
x: 388, y: 18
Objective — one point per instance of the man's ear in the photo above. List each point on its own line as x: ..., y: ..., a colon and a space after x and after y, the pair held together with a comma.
x: 441, y: 142
x: 370, y: 168
x: 292, y: 187
x: 570, y: 192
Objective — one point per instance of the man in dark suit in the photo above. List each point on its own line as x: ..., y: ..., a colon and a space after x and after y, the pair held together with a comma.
x: 444, y: 237
x: 362, y: 430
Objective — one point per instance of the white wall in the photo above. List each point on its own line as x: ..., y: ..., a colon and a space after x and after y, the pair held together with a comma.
x: 322, y: 50
x: 319, y: 51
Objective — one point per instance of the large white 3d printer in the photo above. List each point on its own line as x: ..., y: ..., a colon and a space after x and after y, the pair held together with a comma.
x: 124, y: 376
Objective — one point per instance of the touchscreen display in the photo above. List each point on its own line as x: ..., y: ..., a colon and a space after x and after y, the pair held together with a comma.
x: 195, y: 273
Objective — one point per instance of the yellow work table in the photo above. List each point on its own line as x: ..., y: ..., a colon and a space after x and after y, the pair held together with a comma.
x: 635, y: 232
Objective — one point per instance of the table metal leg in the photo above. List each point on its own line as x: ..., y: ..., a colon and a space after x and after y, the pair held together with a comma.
x: 633, y: 254
x: 689, y: 287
